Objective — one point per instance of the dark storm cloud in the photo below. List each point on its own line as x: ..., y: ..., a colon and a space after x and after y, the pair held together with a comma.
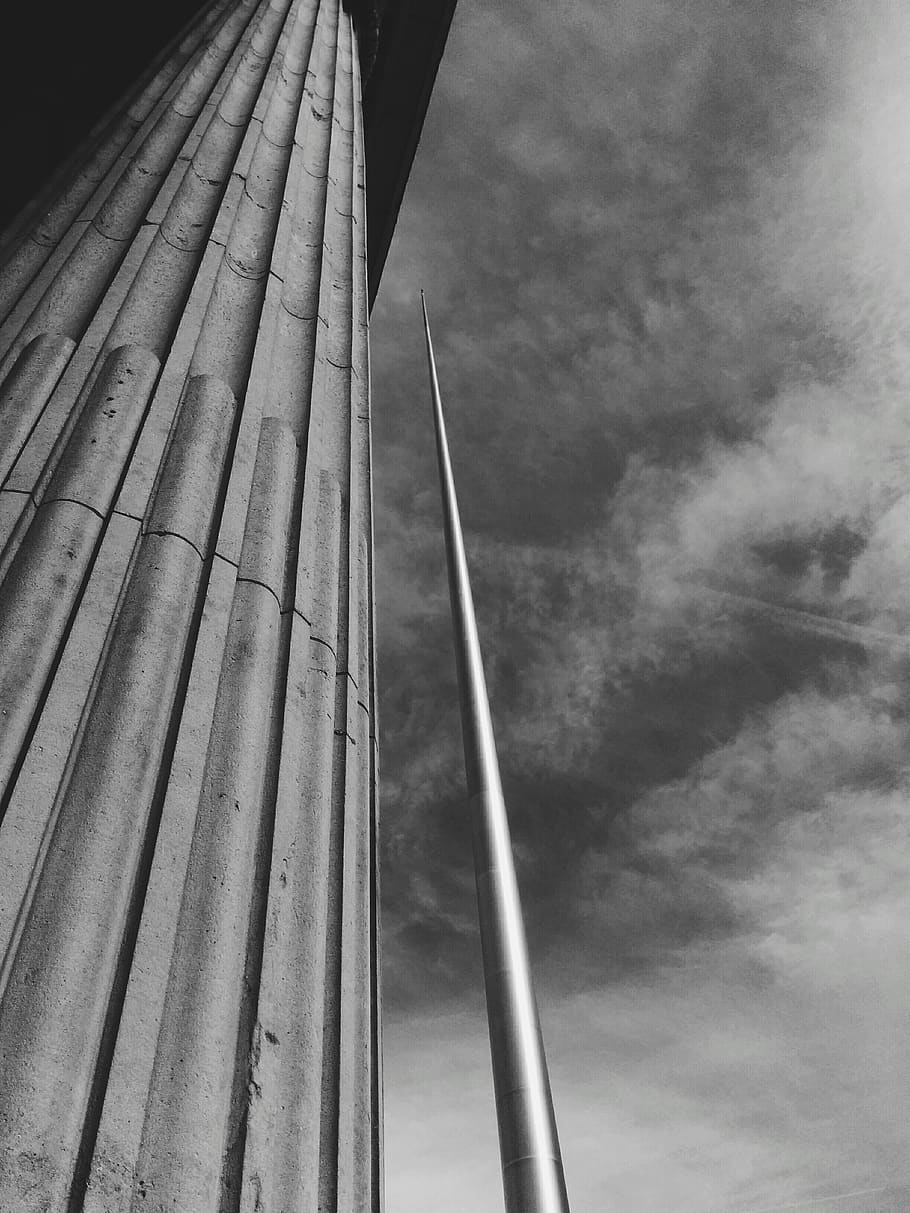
x: 666, y: 254
x: 605, y: 235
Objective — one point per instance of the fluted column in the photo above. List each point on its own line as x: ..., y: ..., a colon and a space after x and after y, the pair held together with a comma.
x: 188, y: 992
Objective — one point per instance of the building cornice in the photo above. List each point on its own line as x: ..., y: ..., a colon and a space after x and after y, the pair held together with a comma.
x: 412, y: 38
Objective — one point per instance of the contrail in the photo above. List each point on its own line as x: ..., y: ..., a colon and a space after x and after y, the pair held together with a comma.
x: 820, y: 1200
x: 807, y: 621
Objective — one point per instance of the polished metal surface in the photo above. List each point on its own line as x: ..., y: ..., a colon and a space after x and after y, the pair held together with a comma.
x: 532, y: 1171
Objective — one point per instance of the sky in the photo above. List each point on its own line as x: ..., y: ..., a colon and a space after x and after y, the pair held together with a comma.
x: 666, y: 250
x: 667, y: 260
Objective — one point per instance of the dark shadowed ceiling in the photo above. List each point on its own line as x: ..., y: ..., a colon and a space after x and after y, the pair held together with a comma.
x: 67, y: 64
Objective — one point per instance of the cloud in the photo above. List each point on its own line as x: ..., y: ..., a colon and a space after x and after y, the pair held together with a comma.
x: 763, y: 1040
x: 695, y: 409
x: 667, y: 257
x: 678, y: 864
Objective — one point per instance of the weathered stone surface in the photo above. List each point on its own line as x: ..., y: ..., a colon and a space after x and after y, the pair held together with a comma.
x: 188, y: 986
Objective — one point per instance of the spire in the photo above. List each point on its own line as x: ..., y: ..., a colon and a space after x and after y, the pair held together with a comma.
x: 533, y: 1179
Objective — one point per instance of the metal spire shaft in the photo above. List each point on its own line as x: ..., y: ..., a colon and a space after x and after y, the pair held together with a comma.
x: 532, y: 1172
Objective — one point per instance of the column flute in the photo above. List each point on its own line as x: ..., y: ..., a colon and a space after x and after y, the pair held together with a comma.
x: 533, y: 1179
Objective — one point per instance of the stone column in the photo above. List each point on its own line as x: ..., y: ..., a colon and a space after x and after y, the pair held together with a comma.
x: 189, y: 992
